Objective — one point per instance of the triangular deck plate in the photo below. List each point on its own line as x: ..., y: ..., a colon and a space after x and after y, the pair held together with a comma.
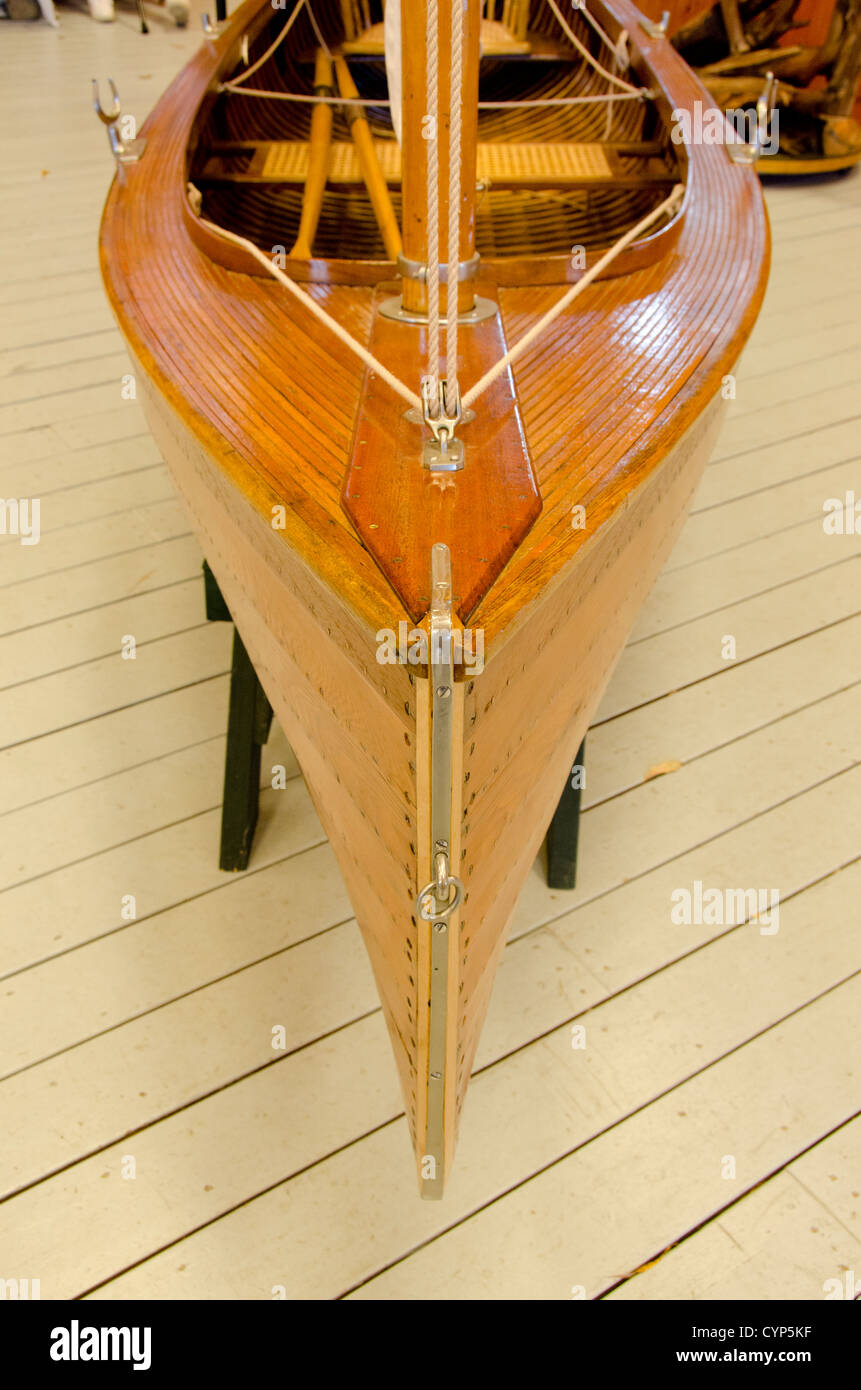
x: 400, y: 509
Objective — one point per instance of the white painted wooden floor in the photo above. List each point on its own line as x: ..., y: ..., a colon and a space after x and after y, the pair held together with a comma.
x: 709, y: 1050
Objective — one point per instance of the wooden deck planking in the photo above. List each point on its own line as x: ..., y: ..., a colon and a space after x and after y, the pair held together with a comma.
x: 532, y: 959
x: 775, y: 1242
x: 578, y: 1224
x: 759, y: 469
x: 114, y: 784
x: 782, y: 507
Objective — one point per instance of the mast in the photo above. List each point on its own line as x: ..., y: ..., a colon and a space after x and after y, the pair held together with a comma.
x: 415, y: 146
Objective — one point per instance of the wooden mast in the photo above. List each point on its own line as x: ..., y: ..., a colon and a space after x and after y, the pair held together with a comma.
x: 414, y: 144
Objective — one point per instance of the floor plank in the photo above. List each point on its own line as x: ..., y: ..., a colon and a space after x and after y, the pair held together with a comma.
x: 258, y: 1167
x: 794, y: 1237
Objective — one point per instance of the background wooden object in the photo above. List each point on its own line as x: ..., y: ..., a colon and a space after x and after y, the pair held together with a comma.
x: 815, y: 15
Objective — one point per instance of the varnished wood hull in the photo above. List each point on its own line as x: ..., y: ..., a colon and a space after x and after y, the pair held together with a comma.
x: 357, y: 728
x: 309, y: 601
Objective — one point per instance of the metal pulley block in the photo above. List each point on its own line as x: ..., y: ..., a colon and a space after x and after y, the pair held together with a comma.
x: 442, y: 414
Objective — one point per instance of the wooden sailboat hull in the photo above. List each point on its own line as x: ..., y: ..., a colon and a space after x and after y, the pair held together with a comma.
x: 356, y: 727
x: 254, y: 409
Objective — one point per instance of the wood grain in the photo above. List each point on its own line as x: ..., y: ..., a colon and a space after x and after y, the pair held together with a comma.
x: 256, y: 412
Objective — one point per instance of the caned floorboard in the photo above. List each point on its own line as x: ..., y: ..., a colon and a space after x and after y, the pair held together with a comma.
x: 259, y: 1167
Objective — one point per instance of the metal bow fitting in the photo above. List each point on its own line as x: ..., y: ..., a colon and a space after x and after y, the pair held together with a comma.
x: 123, y: 151
x: 442, y: 413
x: 657, y: 29
x: 438, y: 900
x: 443, y: 895
x: 106, y: 117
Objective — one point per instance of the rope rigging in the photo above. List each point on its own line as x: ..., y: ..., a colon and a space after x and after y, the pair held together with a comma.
x: 617, y: 51
x: 282, y: 34
x: 441, y: 399
x: 668, y: 206
x: 432, y: 104
x: 454, y: 209
x: 638, y: 94
x: 583, y: 50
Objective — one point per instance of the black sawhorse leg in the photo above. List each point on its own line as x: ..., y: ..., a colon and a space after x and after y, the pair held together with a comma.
x: 565, y: 829
x: 248, y: 723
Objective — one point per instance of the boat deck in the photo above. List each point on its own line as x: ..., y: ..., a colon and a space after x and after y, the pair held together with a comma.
x: 151, y: 1039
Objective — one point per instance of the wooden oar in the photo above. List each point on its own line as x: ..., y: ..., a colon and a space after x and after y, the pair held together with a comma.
x: 319, y: 147
x: 376, y: 185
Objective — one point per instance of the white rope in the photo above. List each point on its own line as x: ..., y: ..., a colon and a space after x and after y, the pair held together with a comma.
x: 619, y: 61
x: 235, y: 91
x: 582, y: 49
x: 320, y: 313
x: 637, y: 94
x: 668, y: 205
x: 581, y: 8
x: 454, y: 211
x: 317, y: 34
x: 432, y: 94
x: 243, y: 77
x: 454, y: 156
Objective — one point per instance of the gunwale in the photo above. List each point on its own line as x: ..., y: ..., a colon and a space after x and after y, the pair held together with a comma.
x: 274, y: 401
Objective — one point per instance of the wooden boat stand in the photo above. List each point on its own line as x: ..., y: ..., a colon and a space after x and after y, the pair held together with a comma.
x: 248, y: 723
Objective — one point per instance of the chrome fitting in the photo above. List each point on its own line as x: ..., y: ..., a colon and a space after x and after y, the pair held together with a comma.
x: 124, y: 152
x: 417, y: 270
x: 442, y: 414
x: 657, y: 30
